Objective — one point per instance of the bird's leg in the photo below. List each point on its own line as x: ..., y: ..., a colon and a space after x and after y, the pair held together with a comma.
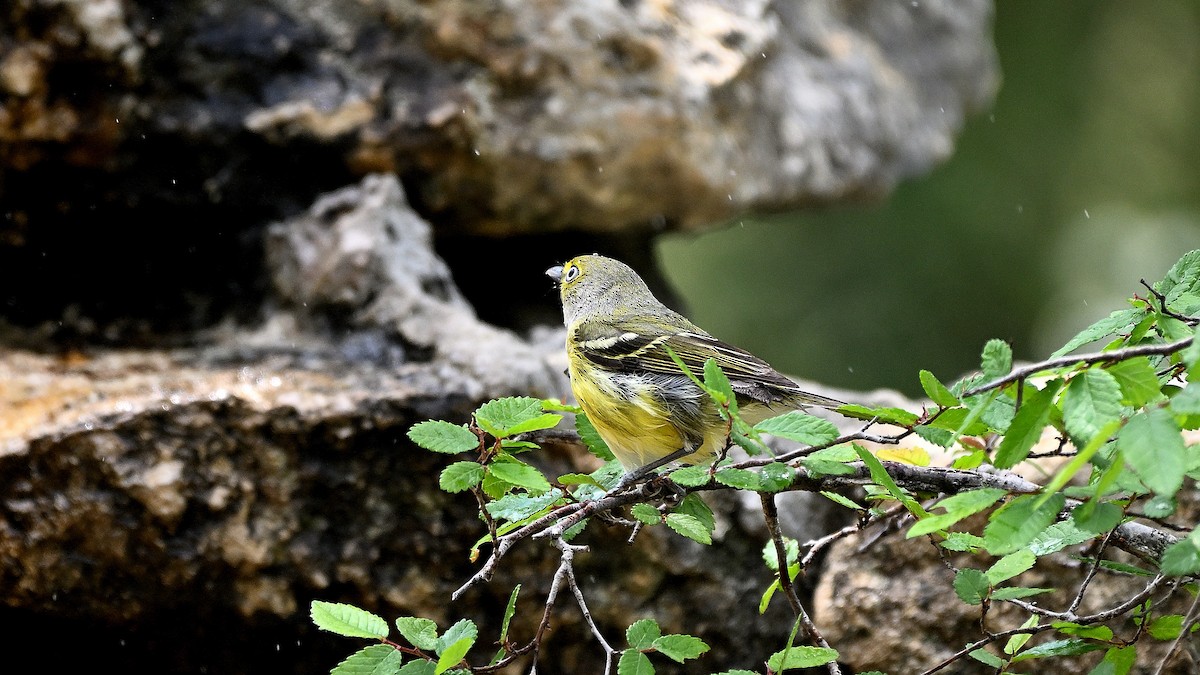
x: 641, y: 472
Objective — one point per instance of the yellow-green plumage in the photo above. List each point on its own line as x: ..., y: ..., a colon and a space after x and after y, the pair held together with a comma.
x: 642, y: 405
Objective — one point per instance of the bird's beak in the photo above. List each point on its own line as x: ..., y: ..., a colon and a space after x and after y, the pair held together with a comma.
x: 555, y: 273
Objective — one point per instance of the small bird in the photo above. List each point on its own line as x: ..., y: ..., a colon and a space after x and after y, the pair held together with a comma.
x: 638, y: 399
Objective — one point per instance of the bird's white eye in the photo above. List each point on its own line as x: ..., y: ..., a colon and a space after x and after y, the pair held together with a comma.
x: 571, y: 273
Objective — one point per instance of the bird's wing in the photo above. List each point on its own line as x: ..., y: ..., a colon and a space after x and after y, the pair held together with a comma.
x: 641, y: 351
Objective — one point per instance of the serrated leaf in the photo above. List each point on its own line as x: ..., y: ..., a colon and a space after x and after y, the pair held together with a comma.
x: 971, y: 586
x: 1117, y: 323
x: 1078, y: 630
x: 1153, y: 447
x: 1159, y: 506
x: 520, y: 506
x: 738, y: 478
x: 690, y: 476
x: 996, y: 360
x: 936, y: 391
x: 1010, y: 566
x: 962, y: 541
x: 1182, y: 278
x: 1137, y: 379
x: 591, y: 438
x: 1068, y: 647
x: 776, y: 476
x: 1058, y: 536
x: 884, y: 415
x: 680, y: 648
x: 718, y: 385
x: 694, y: 505
x: 642, y: 633
x: 911, y: 455
x: 800, y: 427
x: 881, y: 478
x: 462, y: 629
x: 1027, y: 426
x: 1017, y: 523
x: 957, y: 507
x: 1017, y: 641
x: 578, y: 479
x: 1091, y: 401
x: 416, y: 667
x: 453, y: 654
x: 372, y: 660
x: 633, y: 662
x: 444, y: 437
x: 512, y: 415
x: 1166, y: 627
x: 520, y: 474
x: 690, y: 527
x: 461, y: 476
x: 347, y: 620
x: 1016, y: 592
x: 939, y: 437
x: 1187, y: 402
x: 801, y: 657
x: 1116, y: 661
x: 421, y: 633
x: 822, y: 467
x: 646, y: 514
x: 987, y: 658
x: 1182, y: 557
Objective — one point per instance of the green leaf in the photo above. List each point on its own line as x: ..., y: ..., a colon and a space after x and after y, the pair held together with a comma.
x: 776, y: 476
x: 942, y: 437
x: 884, y: 415
x: 373, y: 660
x: 1017, y: 523
x: 936, y: 391
x: 591, y: 438
x: 680, y: 648
x: 695, y: 506
x: 1010, y: 566
x: 1187, y: 402
x: 1016, y: 592
x: 842, y: 500
x: 1137, y: 379
x: 454, y: 644
x: 416, y: 667
x: 690, y: 527
x: 987, y: 658
x: 1027, y: 426
x: 1183, y: 277
x: 461, y: 476
x: 1058, y: 536
x: 347, y: 620
x: 444, y: 437
x: 1094, y: 632
x: 633, y: 662
x: 957, y: 507
x: 520, y: 474
x: 817, y: 467
x: 881, y: 478
x: 1153, y: 447
x: 962, y: 541
x: 800, y: 427
x: 738, y: 478
x: 996, y: 360
x: 801, y: 657
x: 1068, y: 647
x: 518, y: 506
x: 1092, y: 400
x: 1117, y: 661
x: 421, y: 633
x: 1119, y: 322
x: 509, y: 612
x: 1017, y: 641
x: 690, y: 476
x: 791, y: 549
x: 716, y: 381
x: 1159, y: 506
x: 646, y: 514
x: 642, y: 633
x: 971, y: 586
x: 1167, y: 627
x: 1182, y: 557
x: 514, y: 415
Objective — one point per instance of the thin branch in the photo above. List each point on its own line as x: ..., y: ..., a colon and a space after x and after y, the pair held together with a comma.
x: 568, y: 560
x: 1097, y: 357
x: 1189, y: 620
x: 1032, y: 630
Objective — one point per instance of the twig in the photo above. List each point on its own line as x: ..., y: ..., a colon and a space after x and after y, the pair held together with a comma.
x: 1097, y: 357
x: 1032, y: 630
x: 1098, y: 617
x: 771, y: 516
x: 567, y: 563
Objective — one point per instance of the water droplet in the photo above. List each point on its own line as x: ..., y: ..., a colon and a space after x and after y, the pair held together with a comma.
x: 1087, y: 215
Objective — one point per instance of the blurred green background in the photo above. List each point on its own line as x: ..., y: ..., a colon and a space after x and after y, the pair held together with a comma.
x: 1082, y: 179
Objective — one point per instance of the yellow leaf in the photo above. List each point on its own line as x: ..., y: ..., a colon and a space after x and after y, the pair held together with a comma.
x: 914, y: 456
